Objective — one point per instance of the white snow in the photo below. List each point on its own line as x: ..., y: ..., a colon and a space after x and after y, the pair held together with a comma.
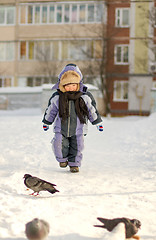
x: 21, y: 89
x: 118, y: 233
x: 117, y: 177
x: 36, y: 89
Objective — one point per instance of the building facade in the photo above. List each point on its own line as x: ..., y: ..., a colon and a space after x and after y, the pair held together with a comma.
x: 131, y: 36
x: 37, y: 38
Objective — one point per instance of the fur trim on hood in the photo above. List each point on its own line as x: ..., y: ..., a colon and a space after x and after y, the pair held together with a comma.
x: 70, y: 74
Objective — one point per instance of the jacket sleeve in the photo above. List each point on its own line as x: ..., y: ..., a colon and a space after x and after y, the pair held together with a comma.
x: 94, y: 116
x: 52, y: 110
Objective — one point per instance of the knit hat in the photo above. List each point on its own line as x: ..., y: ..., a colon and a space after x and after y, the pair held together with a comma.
x: 69, y: 75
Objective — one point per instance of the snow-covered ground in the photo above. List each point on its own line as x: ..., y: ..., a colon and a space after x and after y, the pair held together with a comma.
x: 117, y: 177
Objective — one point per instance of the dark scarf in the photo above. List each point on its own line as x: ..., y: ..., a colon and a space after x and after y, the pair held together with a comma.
x: 80, y: 106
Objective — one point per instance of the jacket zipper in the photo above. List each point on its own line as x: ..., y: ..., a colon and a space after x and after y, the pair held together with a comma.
x: 69, y: 119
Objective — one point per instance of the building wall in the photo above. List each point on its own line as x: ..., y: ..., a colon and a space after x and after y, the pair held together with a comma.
x: 116, y: 36
x: 136, y: 73
x: 141, y: 83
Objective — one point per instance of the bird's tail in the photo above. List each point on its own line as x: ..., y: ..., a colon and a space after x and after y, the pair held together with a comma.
x: 52, y: 191
x: 102, y: 220
x: 101, y: 226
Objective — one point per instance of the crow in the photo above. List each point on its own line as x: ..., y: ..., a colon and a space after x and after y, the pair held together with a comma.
x: 131, y: 225
x: 37, y: 229
x: 36, y: 184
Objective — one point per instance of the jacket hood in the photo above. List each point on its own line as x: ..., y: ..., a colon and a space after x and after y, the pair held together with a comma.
x: 70, y: 68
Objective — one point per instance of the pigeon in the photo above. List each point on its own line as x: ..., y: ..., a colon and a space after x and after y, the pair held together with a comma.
x: 131, y: 225
x: 37, y: 184
x: 37, y: 229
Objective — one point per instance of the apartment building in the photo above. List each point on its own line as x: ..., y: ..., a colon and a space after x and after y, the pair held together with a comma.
x: 131, y: 45
x: 37, y: 38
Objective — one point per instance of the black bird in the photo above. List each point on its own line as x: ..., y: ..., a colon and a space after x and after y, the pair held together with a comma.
x: 37, y: 229
x: 131, y: 225
x: 37, y: 184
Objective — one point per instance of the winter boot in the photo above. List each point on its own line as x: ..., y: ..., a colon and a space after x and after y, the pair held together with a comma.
x: 74, y: 169
x: 63, y: 164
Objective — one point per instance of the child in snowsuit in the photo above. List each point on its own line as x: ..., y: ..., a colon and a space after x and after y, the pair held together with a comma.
x: 69, y: 109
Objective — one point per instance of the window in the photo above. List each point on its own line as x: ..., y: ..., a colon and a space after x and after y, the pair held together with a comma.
x: 122, y: 54
x: 51, y: 14
x: 90, y: 13
x: 23, y: 14
x: 44, y: 14
x: 7, y: 51
x: 31, y: 50
x: 47, y: 51
x: 10, y: 15
x: 37, y: 81
x: 77, y: 50
x: 99, y: 13
x: 154, y: 52
x: 2, y: 51
x: 23, y: 50
x: 7, y: 15
x: 122, y: 17
x: 154, y: 84
x: 82, y: 13
x: 37, y: 14
x: 30, y: 82
x: 154, y: 16
x: 89, y: 51
x: 81, y: 50
x: 120, y: 91
x: 57, y: 13
x: 2, y: 15
x: 10, y: 51
x: 66, y: 13
x: 30, y: 14
x: 6, y: 81
x: 27, y: 50
x: 39, y: 50
x: 55, y: 50
x: 98, y: 49
x: 74, y: 14
x: 64, y: 53
x: 59, y: 50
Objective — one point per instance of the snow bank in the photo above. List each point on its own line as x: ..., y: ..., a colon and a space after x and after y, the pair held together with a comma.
x: 117, y: 178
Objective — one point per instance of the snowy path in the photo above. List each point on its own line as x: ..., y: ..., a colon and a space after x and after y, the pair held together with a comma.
x: 117, y: 178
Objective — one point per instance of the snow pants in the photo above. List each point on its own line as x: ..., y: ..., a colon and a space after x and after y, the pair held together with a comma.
x: 68, y: 149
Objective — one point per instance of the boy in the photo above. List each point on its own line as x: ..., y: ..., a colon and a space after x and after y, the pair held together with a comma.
x: 70, y: 107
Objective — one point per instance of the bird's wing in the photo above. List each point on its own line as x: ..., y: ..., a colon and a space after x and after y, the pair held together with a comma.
x: 33, y: 182
x: 47, y: 186
x: 48, y: 182
x: 109, y: 224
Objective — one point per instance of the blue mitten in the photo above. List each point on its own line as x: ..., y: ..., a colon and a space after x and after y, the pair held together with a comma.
x: 45, y: 127
x: 99, y: 127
